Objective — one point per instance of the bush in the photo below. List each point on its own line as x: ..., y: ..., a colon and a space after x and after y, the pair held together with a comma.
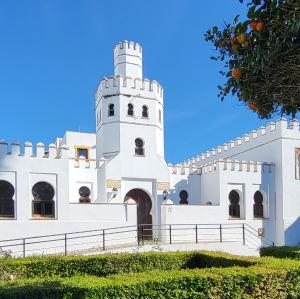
x: 292, y: 252
x: 163, y: 275
x: 104, y: 265
x: 235, y: 282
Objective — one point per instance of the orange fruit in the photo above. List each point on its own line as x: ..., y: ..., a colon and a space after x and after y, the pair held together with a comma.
x: 236, y: 73
x: 242, y: 38
x: 252, y: 106
x: 260, y: 26
x: 253, y: 25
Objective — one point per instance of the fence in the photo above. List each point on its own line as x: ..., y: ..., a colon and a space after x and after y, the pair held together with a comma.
x: 135, y: 235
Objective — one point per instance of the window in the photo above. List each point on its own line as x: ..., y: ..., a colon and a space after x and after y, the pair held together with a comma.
x: 43, y: 203
x: 82, y: 151
x: 297, y: 163
x: 84, y: 193
x: 159, y: 116
x: 145, y: 111
x: 258, y: 207
x: 183, y: 197
x: 130, y: 111
x: 139, y: 147
x: 7, y: 207
x: 111, y: 110
x: 234, y: 206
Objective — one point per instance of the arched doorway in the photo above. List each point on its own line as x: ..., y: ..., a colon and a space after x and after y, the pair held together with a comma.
x: 144, y: 206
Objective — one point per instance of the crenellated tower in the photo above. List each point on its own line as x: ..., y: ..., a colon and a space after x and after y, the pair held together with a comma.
x: 129, y: 114
x: 128, y: 60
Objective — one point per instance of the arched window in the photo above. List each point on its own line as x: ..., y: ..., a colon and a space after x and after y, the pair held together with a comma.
x: 145, y: 111
x: 159, y: 116
x: 183, y: 197
x: 234, y: 206
x: 111, y: 110
x: 43, y: 203
x: 7, y: 191
x: 258, y: 207
x: 84, y: 193
x: 130, y: 110
x: 139, y: 147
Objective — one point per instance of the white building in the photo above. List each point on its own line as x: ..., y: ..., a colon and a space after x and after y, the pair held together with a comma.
x: 89, y: 181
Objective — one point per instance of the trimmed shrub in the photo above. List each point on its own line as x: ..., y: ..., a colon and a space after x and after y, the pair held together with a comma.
x: 292, y: 252
x: 104, y: 265
x: 235, y: 282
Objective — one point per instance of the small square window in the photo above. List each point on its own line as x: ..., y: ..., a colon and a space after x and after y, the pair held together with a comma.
x: 82, y: 151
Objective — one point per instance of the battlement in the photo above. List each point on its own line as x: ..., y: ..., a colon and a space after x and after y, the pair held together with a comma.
x: 128, y: 60
x: 257, y: 137
x: 28, y: 150
x: 116, y: 85
x: 127, y: 47
x: 223, y: 165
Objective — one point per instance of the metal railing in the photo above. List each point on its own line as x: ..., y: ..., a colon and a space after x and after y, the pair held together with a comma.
x: 135, y: 235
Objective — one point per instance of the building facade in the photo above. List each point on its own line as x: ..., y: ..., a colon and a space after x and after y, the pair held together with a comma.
x: 118, y: 175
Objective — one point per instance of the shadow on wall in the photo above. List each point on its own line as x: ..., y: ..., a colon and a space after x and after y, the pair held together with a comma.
x: 292, y: 233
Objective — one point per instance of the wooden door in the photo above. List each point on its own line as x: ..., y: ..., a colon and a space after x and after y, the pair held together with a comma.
x: 144, y: 206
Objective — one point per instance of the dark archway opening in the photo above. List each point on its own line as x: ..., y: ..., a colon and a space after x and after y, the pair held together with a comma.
x: 234, y: 206
x: 7, y: 191
x: 43, y: 203
x: 144, y: 206
x: 258, y: 207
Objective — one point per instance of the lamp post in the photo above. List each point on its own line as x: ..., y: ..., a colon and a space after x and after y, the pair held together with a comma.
x: 165, y: 194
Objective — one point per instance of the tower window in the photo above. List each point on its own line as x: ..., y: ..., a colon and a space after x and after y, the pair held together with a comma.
x: 130, y: 111
x: 258, y: 207
x: 84, y: 193
x: 82, y: 151
x: 139, y: 147
x: 159, y: 116
x: 234, y: 204
x: 145, y: 111
x: 111, y: 110
x: 183, y: 197
x: 43, y: 203
x: 7, y: 192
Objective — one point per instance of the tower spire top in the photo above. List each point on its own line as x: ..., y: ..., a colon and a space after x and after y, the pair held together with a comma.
x: 128, y: 61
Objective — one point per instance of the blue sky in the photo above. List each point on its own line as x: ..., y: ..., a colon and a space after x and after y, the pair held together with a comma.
x: 53, y: 53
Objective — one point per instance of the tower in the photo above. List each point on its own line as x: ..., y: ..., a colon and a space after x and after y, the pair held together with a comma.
x: 130, y: 130
x: 128, y: 60
x: 129, y: 106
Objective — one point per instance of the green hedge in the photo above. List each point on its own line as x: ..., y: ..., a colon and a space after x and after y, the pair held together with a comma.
x: 153, y: 275
x: 292, y: 252
x: 234, y: 282
x: 104, y: 265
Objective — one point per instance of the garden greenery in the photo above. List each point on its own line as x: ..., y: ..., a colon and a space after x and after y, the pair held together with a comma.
x: 197, y: 274
x: 262, y: 57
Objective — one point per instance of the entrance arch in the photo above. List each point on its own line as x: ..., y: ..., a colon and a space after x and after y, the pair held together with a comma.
x: 144, y: 206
